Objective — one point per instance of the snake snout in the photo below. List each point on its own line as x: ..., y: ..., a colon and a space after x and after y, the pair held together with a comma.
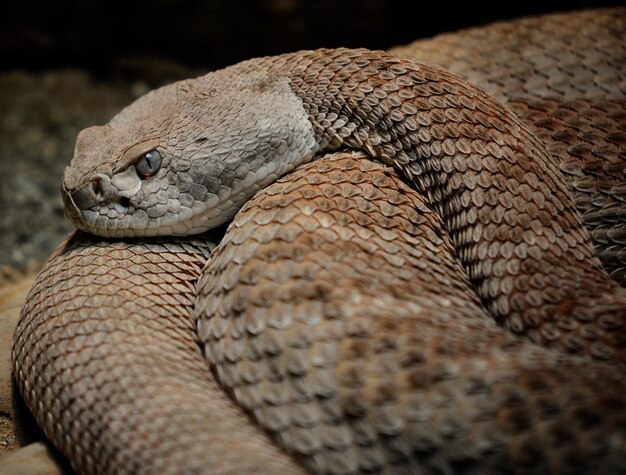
x: 94, y: 192
x: 87, y: 196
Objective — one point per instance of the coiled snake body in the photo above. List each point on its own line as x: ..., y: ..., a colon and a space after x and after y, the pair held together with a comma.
x: 455, y: 318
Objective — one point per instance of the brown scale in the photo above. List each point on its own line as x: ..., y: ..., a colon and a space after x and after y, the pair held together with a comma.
x: 117, y: 381
x: 329, y: 326
x: 588, y: 140
x: 500, y: 194
x: 575, y: 62
x: 570, y: 55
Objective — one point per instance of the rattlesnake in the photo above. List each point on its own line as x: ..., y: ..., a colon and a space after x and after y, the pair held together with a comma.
x: 351, y: 317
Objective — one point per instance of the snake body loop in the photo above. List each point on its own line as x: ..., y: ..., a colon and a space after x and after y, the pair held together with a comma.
x: 499, y: 193
x: 440, y: 308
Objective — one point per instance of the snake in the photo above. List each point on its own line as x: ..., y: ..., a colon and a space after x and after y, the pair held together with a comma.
x: 340, y: 261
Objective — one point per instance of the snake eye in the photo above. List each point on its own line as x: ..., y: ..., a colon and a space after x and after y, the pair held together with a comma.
x: 148, y: 164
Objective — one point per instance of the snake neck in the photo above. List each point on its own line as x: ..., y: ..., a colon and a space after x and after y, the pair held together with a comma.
x: 499, y: 193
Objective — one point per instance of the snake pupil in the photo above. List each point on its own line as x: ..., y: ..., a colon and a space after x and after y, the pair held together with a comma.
x: 148, y: 158
x: 149, y: 164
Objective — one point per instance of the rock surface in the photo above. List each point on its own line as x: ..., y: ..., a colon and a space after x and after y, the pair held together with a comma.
x: 34, y: 459
x: 11, y: 300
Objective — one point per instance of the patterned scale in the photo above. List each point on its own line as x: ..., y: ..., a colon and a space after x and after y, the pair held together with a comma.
x: 498, y: 190
x: 569, y: 55
x: 564, y: 75
x: 118, y: 382
x: 588, y: 139
x: 323, y: 314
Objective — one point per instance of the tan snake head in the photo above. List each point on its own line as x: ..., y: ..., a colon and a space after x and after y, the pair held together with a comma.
x: 184, y: 158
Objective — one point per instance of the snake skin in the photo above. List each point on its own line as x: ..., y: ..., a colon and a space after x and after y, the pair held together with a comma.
x: 323, y: 313
x: 564, y: 75
x: 588, y: 139
x: 501, y: 196
x: 108, y: 363
x: 356, y: 320
x: 574, y: 55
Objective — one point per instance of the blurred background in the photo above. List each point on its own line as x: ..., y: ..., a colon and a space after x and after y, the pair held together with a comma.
x: 68, y: 64
x: 99, y: 34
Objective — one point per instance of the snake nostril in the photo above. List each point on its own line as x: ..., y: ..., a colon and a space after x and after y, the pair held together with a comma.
x: 98, y: 191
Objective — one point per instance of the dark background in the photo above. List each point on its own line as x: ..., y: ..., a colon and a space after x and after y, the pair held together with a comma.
x: 98, y: 35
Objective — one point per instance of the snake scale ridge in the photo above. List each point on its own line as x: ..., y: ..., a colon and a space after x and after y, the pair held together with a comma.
x: 440, y: 309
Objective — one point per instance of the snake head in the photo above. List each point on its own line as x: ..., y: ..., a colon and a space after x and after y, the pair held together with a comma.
x: 184, y: 158
x: 97, y: 192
